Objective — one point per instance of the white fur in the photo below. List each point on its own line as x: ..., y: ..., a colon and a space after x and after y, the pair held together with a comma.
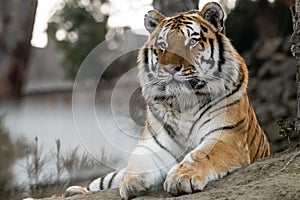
x: 155, y: 158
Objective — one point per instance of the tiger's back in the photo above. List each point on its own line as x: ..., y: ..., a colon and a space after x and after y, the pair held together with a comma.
x: 200, y: 125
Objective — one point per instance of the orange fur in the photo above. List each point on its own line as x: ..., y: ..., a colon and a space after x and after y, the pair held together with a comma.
x: 200, y: 124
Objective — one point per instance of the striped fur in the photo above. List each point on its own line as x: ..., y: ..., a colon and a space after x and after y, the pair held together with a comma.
x: 200, y: 125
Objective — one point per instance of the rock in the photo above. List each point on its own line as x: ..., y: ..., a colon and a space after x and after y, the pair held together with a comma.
x: 270, y: 89
x: 265, y: 70
x: 278, y: 111
x: 286, y: 46
x: 289, y: 91
x: 286, y: 68
x: 279, y: 57
x: 268, y: 48
x: 262, y: 112
x: 261, y: 180
x: 279, y: 65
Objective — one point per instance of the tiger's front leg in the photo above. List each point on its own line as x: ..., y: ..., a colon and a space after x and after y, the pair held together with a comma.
x: 148, y: 166
x: 206, y: 163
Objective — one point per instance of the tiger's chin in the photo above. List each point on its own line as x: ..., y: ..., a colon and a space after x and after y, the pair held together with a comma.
x: 177, y: 97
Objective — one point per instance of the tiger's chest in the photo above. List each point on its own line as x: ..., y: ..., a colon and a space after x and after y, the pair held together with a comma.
x: 186, y: 127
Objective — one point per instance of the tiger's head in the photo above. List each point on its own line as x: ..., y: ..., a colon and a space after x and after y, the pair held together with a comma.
x: 187, y: 58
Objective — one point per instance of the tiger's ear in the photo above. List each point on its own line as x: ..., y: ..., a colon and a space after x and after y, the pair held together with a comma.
x: 152, y: 19
x: 214, y: 13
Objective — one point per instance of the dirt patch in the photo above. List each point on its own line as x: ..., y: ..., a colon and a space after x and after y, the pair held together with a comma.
x: 264, y: 179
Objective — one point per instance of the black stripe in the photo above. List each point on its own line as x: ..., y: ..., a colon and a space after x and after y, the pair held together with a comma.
x: 111, y: 180
x: 161, y: 146
x: 221, y: 60
x: 153, y: 66
x: 195, y: 34
x: 191, y: 185
x: 205, y: 122
x: 222, y: 128
x: 181, y: 31
x: 162, y: 98
x: 189, y: 18
x: 101, y: 183
x: 251, y: 119
x: 145, y: 53
x: 167, y: 25
x: 265, y: 150
x: 203, y: 37
x: 188, y: 23
x: 258, y: 148
x: 208, y: 120
x: 168, y: 128
x: 172, y: 134
x: 250, y: 124
x: 201, y: 106
x: 199, y: 93
x: 192, y: 83
x: 204, y: 28
x: 211, y: 43
x: 255, y: 134
x: 226, y: 106
x: 146, y: 62
x: 189, y: 27
x: 216, y: 102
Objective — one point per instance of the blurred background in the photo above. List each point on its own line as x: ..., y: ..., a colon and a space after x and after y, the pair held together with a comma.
x: 62, y: 124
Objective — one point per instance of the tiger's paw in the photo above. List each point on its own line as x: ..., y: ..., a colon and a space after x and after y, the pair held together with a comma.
x: 75, y: 190
x: 184, y: 178
x: 133, y: 186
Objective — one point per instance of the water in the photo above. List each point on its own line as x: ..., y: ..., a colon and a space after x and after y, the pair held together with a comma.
x: 92, y: 126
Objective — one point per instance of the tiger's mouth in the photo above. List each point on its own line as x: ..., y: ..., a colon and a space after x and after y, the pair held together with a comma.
x: 196, y: 85
x: 175, y: 86
x: 174, y: 81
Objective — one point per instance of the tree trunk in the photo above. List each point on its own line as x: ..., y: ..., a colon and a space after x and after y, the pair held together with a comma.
x: 169, y: 8
x: 295, y: 49
x: 16, y: 25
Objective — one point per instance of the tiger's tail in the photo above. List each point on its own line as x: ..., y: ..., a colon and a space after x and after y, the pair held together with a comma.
x: 109, y: 181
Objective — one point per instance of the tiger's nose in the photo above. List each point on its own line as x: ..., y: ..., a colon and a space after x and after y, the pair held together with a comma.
x: 172, y: 69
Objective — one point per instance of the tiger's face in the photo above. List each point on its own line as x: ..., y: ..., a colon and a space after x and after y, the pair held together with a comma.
x: 184, y: 57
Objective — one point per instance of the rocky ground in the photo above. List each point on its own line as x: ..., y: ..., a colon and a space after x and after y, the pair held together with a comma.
x: 276, y: 177
x: 272, y: 92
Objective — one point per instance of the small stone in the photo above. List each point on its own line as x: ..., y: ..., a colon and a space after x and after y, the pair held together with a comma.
x: 268, y: 48
x: 283, y: 193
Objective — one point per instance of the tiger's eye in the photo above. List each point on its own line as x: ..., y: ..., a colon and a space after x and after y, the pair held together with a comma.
x: 162, y: 46
x: 192, y: 42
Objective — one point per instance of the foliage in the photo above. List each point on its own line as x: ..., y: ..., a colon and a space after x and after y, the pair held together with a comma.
x: 286, y: 128
x: 10, y: 151
x: 75, y: 163
x: 76, y: 28
x: 72, y: 167
x: 35, y: 164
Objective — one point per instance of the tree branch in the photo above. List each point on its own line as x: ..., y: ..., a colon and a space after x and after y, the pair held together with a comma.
x: 295, y: 49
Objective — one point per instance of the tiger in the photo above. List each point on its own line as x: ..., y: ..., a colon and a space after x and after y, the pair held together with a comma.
x: 200, y: 125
